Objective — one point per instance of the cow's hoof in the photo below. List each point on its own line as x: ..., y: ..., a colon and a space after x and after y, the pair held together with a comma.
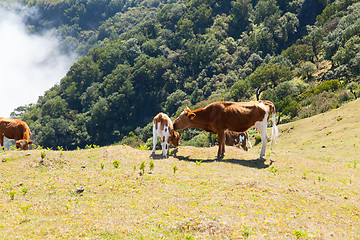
x: 219, y: 157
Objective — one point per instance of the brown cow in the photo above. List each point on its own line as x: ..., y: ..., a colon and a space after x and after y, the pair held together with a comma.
x: 235, y: 116
x: 15, y: 129
x: 238, y: 139
x: 163, y: 128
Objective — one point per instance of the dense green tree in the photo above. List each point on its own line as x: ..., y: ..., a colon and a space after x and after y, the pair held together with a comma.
x: 307, y: 69
x: 297, y: 53
x: 288, y: 25
x: 354, y: 88
x: 268, y: 75
x: 240, y: 91
x: 265, y: 9
x: 240, y: 17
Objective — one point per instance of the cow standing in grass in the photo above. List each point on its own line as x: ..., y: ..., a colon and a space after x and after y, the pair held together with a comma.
x: 237, y: 139
x: 163, y: 128
x: 15, y: 129
x: 234, y: 116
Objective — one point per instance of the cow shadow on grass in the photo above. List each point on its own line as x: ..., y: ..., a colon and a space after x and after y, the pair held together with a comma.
x: 253, y: 163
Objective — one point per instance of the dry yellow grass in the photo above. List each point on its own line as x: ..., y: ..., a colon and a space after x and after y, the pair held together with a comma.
x: 307, y: 188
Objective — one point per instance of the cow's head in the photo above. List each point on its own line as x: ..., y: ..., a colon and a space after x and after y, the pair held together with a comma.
x: 23, y: 144
x: 175, y: 139
x: 184, y: 120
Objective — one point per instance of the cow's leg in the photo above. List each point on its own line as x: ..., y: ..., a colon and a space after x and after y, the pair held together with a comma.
x: 248, y: 141
x: 261, y: 127
x: 221, y: 142
x: 154, y: 144
x: 2, y: 142
x: 164, y: 145
x: 154, y: 140
x: 167, y: 144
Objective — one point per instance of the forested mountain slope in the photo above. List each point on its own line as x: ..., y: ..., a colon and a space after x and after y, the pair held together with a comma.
x: 84, y: 24
x: 194, y: 52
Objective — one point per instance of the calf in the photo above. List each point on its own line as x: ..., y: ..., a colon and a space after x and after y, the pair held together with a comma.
x: 163, y: 128
x: 237, y: 139
x: 235, y: 116
x: 15, y: 129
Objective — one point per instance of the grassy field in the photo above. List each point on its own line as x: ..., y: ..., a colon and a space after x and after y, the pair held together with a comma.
x: 308, y: 188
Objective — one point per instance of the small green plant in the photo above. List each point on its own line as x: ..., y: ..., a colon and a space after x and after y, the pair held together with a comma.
x: 142, y: 168
x: 305, y: 173
x: 353, y: 164
x: 143, y: 147
x: 151, y: 166
x: 175, y: 168
x: 299, y: 234
x: 12, y: 195
x: 24, y: 190
x: 198, y: 162
x: 43, y: 155
x: 134, y: 168
x: 102, y: 165
x: 246, y: 231
x: 116, y: 164
x: 25, y: 207
x: 273, y: 170
x: 88, y: 146
x: 328, y: 133
x: 60, y: 148
x: 190, y: 238
x: 339, y: 119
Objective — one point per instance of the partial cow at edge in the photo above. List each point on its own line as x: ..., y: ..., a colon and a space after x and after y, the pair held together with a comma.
x: 234, y: 116
x: 163, y: 128
x: 17, y: 130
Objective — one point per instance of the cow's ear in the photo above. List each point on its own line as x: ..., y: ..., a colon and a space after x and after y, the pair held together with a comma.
x: 191, y: 116
x: 30, y: 142
x: 187, y: 109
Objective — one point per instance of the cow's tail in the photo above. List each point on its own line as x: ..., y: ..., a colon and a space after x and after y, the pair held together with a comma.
x: 275, y: 131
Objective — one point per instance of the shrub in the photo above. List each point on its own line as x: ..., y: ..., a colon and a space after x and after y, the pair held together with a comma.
x: 201, y: 140
x: 132, y: 140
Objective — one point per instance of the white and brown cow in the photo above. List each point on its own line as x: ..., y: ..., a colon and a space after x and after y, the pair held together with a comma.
x: 15, y: 129
x: 237, y: 139
x: 163, y: 128
x: 235, y: 116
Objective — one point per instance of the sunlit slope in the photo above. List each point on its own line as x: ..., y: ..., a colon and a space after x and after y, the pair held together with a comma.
x: 334, y: 135
x: 307, y: 188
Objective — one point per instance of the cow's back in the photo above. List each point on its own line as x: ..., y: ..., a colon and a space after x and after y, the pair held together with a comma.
x: 162, y: 120
x: 14, y: 129
x: 240, y: 116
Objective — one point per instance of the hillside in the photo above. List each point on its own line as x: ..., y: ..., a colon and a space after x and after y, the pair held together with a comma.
x: 190, y: 53
x: 307, y: 188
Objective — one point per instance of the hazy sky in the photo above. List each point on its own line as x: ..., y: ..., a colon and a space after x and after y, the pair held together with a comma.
x: 29, y: 64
